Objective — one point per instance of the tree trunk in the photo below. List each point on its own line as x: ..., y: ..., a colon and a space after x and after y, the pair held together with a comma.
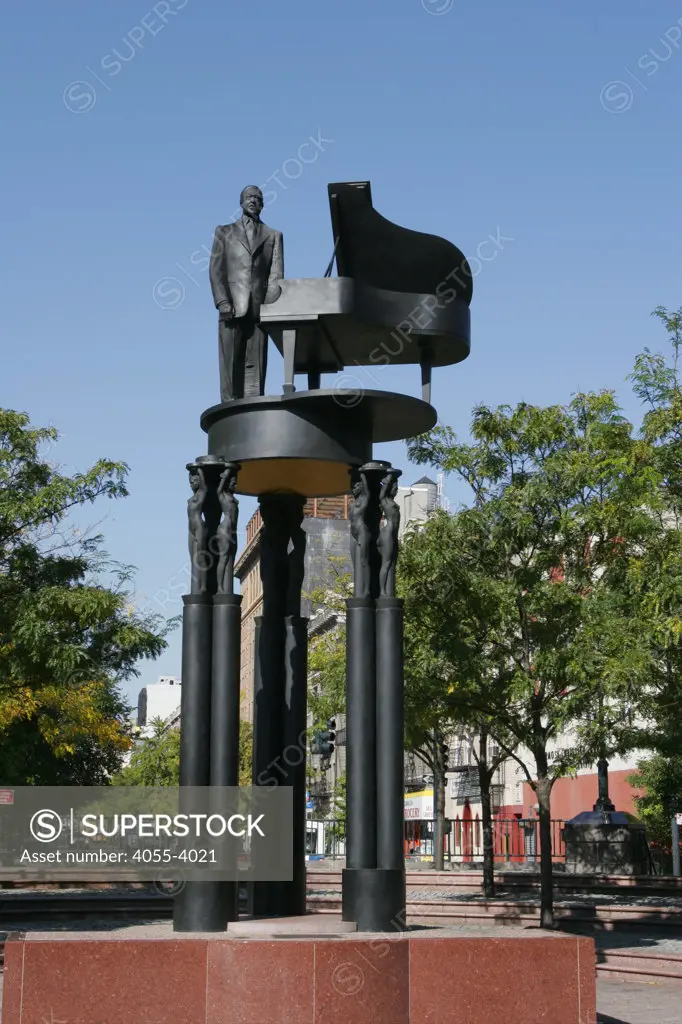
x: 485, y: 778
x: 543, y: 788
x: 438, y: 808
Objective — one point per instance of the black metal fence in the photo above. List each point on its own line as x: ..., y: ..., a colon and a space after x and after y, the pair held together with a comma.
x: 515, y: 840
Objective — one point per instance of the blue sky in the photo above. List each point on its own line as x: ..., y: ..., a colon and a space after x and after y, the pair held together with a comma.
x: 129, y: 130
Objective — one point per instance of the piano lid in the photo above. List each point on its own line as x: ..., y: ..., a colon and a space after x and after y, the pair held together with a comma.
x: 376, y: 252
x: 401, y: 296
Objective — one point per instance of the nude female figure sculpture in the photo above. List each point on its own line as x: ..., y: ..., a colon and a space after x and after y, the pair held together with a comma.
x: 387, y: 541
x: 226, y: 534
x: 198, y: 530
x: 361, y: 534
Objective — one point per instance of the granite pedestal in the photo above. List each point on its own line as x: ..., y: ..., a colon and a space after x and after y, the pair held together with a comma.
x: 301, y: 971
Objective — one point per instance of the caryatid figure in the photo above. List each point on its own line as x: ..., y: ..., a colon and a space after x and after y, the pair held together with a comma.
x: 226, y: 534
x: 200, y: 558
x: 361, y: 535
x: 387, y: 541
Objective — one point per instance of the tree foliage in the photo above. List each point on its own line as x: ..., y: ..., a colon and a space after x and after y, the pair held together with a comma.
x: 656, y: 381
x: 661, y: 778
x: 69, y: 633
x: 327, y: 648
x: 155, y: 760
x: 547, y: 607
x: 527, y: 594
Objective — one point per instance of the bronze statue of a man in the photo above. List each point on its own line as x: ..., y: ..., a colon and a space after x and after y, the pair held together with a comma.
x: 247, y: 264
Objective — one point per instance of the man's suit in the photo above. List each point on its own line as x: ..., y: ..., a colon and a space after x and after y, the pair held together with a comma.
x: 247, y: 263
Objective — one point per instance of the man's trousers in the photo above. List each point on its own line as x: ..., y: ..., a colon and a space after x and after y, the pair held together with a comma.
x: 243, y: 354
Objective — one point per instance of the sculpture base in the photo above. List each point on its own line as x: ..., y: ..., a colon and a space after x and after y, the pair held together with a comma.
x: 603, y: 847
x: 306, y: 442
x: 374, y: 898
x: 143, y: 974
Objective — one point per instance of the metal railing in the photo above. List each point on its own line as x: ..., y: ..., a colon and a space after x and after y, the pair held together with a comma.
x: 325, y: 838
x: 515, y: 840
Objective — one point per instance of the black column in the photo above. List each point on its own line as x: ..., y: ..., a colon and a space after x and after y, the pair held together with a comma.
x: 292, y: 895
x: 389, y: 910
x: 194, y: 908
x: 361, y: 780
x: 268, y: 699
x: 390, y: 757
x: 224, y: 744
x: 280, y: 686
x: 373, y: 882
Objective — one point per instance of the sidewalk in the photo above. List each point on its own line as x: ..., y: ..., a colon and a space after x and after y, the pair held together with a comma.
x: 632, y: 1002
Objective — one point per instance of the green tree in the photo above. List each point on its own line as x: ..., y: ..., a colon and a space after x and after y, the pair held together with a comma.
x: 327, y: 647
x: 446, y: 655
x: 658, y: 584
x: 536, y: 578
x: 67, y: 637
x: 245, y: 753
x: 427, y: 714
x: 155, y: 760
x: 661, y: 777
x: 94, y: 728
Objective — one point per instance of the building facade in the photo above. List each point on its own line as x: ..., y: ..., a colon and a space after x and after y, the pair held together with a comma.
x: 327, y: 556
x: 417, y: 501
x: 158, y: 700
x: 513, y: 796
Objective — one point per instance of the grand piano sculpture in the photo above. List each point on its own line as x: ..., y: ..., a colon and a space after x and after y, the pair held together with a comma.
x: 401, y: 297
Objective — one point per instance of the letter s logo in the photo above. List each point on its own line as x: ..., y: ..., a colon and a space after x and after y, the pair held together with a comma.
x: 46, y: 826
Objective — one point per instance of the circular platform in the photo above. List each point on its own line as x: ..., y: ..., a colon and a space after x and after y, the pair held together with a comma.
x: 306, y: 442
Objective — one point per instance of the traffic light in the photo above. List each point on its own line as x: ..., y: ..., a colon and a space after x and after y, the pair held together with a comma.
x: 324, y: 739
x: 330, y: 737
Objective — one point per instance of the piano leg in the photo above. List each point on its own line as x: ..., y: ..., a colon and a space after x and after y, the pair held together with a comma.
x: 289, y: 352
x: 425, y: 363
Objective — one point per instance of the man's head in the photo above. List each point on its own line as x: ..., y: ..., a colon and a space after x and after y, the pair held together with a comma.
x: 251, y: 201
